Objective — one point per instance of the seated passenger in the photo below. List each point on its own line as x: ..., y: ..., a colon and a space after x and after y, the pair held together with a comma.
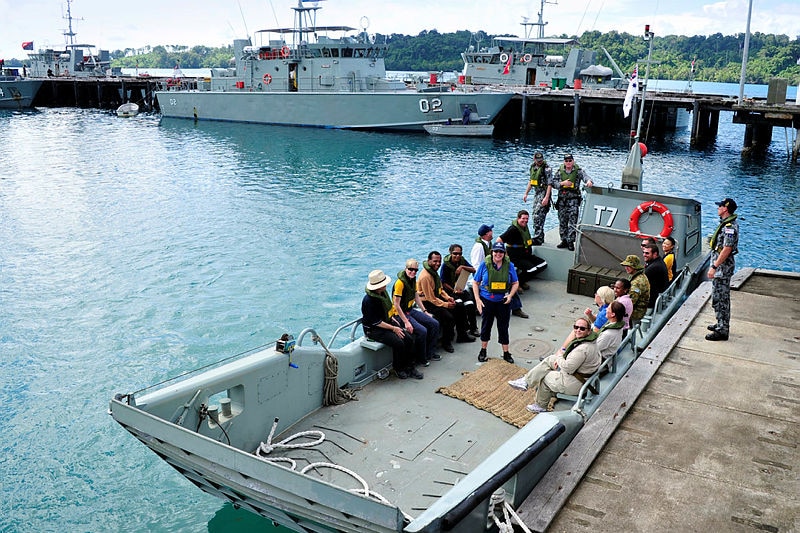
x: 622, y: 287
x: 416, y: 322
x: 610, y: 335
x: 564, y: 372
x: 438, y: 303
x: 603, y: 297
x: 453, y: 266
x: 380, y: 324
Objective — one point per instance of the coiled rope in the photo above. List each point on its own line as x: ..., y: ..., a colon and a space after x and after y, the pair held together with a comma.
x: 331, y: 393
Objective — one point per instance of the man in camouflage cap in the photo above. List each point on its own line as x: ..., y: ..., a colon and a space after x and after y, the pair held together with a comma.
x: 724, y: 246
x: 640, y: 287
x: 541, y: 181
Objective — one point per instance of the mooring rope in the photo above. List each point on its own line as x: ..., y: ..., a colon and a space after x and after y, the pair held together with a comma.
x: 331, y: 393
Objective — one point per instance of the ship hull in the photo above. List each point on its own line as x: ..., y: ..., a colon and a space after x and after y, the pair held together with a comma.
x: 17, y: 94
x: 405, y: 110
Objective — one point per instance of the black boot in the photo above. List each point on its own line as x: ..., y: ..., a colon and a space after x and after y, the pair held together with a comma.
x: 507, y: 357
x: 482, y: 355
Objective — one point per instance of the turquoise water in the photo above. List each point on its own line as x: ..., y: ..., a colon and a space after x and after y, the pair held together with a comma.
x: 133, y: 251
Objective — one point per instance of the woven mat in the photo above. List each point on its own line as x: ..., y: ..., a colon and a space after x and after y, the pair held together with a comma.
x: 487, y: 389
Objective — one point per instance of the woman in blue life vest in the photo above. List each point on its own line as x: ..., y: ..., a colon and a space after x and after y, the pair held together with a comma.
x: 495, y: 285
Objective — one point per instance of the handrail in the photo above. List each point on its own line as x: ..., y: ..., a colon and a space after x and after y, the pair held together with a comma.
x: 314, y: 336
x: 352, y: 324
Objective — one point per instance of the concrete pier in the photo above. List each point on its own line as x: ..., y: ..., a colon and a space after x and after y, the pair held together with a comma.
x: 699, y: 436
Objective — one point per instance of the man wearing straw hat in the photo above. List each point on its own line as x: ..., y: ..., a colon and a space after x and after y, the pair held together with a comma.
x: 379, y: 320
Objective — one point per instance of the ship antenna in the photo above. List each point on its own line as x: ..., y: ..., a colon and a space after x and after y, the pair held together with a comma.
x: 244, y: 20
x: 69, y: 34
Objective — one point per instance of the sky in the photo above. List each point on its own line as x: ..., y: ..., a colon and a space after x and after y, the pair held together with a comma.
x: 114, y: 25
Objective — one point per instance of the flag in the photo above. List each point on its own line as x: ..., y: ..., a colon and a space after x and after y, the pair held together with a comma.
x: 507, y: 68
x: 692, y: 66
x: 633, y: 88
x: 27, y: 45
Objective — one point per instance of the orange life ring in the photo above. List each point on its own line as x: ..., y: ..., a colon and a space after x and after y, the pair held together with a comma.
x: 527, y: 58
x: 285, y: 51
x: 659, y: 208
x: 267, y: 79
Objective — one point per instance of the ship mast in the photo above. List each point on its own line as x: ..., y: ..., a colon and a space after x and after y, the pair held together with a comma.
x: 541, y: 23
x: 632, y: 172
x: 69, y: 34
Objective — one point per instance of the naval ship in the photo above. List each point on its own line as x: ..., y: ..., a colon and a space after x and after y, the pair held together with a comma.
x: 17, y: 92
x: 301, y: 76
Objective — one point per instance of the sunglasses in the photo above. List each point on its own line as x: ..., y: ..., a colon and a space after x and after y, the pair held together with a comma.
x: 580, y: 328
x: 412, y: 269
x: 455, y: 253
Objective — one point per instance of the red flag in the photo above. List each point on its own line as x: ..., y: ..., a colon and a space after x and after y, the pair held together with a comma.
x: 507, y: 68
x: 27, y: 45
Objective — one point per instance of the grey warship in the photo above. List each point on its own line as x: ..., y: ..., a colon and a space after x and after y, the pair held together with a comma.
x: 311, y: 79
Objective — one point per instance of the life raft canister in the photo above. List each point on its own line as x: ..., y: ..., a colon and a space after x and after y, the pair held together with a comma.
x: 267, y: 79
x: 659, y: 208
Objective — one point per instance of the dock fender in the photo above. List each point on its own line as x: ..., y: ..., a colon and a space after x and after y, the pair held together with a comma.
x: 659, y: 208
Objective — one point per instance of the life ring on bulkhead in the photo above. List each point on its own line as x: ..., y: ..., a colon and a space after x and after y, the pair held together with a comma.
x: 285, y: 51
x: 527, y: 58
x: 503, y: 57
x: 659, y: 208
x: 267, y: 79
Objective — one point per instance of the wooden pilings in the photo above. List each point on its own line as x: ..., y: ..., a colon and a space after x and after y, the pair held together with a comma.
x: 100, y: 93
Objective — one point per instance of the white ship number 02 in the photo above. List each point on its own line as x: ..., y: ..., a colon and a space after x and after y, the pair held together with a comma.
x: 598, y: 215
x: 434, y: 105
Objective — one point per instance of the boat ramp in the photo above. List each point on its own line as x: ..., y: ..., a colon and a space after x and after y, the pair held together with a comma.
x: 699, y: 436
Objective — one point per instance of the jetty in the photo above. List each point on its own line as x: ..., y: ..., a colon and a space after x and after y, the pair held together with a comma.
x: 592, y: 109
x: 699, y: 436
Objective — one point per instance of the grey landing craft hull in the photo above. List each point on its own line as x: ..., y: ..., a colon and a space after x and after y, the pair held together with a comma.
x: 402, y: 110
x: 15, y: 94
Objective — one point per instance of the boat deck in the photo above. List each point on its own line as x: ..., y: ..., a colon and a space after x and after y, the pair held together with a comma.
x: 712, y: 442
x: 411, y: 444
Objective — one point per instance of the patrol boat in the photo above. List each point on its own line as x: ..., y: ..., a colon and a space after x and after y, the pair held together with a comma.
x: 538, y: 61
x: 265, y: 429
x: 17, y: 92
x: 320, y: 81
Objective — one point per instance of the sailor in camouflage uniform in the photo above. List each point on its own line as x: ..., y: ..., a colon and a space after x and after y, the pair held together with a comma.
x: 568, y: 182
x: 541, y: 177
x: 724, y: 246
x: 640, y: 288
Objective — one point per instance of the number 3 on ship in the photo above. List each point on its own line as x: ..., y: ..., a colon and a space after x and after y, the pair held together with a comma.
x: 434, y: 105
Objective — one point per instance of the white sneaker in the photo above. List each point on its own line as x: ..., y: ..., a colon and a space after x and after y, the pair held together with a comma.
x: 535, y: 408
x: 519, y: 384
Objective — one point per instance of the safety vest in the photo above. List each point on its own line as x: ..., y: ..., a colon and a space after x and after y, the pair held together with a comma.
x: 498, y: 279
x: 716, y: 243
x: 573, y: 177
x: 437, y: 281
x: 537, y: 173
x: 409, y: 290
x: 486, y: 248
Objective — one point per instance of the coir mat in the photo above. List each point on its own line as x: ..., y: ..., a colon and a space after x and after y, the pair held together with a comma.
x: 487, y: 389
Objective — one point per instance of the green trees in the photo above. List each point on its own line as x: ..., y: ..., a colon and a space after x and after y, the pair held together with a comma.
x: 717, y: 57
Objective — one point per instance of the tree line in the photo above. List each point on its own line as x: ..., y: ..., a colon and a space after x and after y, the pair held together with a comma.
x: 716, y: 57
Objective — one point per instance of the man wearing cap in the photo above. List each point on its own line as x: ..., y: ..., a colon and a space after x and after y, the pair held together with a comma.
x: 482, y: 246
x: 541, y: 177
x: 640, y: 287
x: 568, y: 181
x: 380, y: 324
x: 495, y: 285
x: 724, y: 246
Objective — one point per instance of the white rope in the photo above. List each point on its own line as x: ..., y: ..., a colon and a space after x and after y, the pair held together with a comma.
x: 516, y: 517
x: 265, y: 448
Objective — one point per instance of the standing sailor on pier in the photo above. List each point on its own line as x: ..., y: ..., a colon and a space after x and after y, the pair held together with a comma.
x: 724, y: 246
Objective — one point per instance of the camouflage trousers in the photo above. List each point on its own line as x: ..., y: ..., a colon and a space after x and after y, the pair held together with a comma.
x: 568, y: 218
x: 539, y: 214
x: 721, y: 302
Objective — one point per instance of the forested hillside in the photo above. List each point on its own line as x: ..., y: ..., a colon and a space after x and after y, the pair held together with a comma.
x: 717, y: 57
